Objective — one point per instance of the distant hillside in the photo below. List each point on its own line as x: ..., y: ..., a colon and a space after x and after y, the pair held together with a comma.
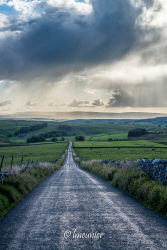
x: 84, y: 115
x: 11, y: 130
x: 157, y: 120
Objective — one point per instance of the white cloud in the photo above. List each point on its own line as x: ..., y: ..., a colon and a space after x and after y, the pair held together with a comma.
x: 22, y: 6
x: 4, y: 21
x: 155, y: 16
x: 81, y: 7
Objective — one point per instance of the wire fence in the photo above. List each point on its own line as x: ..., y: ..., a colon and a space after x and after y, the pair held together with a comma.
x: 13, y: 170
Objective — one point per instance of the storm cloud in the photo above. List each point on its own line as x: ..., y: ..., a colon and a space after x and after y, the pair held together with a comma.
x: 76, y: 103
x: 55, y: 54
x: 5, y: 103
x: 140, y: 95
x: 98, y: 103
x: 121, y: 99
x: 57, y: 40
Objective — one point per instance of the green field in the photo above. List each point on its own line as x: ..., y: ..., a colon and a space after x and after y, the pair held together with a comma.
x: 96, y: 151
x: 107, y: 136
x: 43, y: 152
x: 10, y: 126
x: 97, y: 134
x: 133, y: 143
x: 100, y: 130
x: 120, y: 154
x: 93, y: 130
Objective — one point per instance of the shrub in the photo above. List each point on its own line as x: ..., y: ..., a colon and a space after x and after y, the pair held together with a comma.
x: 79, y: 138
x: 54, y: 139
x: 112, y: 173
x: 137, y: 132
x: 33, y: 139
x: 10, y: 192
x: 4, y: 202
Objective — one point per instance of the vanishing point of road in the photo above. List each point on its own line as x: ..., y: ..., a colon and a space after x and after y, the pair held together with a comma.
x: 73, y: 209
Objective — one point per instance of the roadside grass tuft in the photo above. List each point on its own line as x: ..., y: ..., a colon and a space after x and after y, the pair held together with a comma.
x: 134, y: 182
x: 4, y: 202
x: 15, y: 187
x: 10, y: 192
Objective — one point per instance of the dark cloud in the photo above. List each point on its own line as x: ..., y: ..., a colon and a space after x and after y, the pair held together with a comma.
x: 121, y: 98
x: 31, y: 104
x: 5, y: 103
x: 79, y: 103
x: 98, y: 103
x: 95, y: 103
x: 60, y: 41
x: 55, y: 104
x: 140, y: 95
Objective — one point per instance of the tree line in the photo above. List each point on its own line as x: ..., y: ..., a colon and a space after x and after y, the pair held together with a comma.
x: 62, y: 130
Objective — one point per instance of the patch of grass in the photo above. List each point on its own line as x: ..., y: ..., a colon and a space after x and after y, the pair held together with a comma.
x: 17, y: 140
x: 161, y: 141
x: 10, y: 192
x: 4, y: 202
x: 98, y: 130
x: 120, y: 154
x: 101, y: 170
x: 138, y: 184
x: 17, y: 186
x: 107, y: 136
x: 95, y: 127
x: 11, y: 126
x: 44, y: 152
x: 130, y: 143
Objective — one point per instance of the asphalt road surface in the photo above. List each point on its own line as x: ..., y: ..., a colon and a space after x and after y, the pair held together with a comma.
x: 73, y: 209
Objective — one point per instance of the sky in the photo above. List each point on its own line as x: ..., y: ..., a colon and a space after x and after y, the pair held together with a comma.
x: 93, y: 55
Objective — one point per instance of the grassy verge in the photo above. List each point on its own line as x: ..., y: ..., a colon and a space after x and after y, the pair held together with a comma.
x: 43, y: 152
x: 134, y: 182
x: 17, y: 186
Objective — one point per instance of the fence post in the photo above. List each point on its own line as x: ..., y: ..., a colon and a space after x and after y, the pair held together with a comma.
x: 36, y: 163
x: 21, y: 160
x: 27, y: 163
x: 11, y: 162
x: 25, y: 168
x: 2, y: 162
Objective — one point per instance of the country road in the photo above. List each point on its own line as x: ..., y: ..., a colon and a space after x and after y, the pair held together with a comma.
x: 72, y: 204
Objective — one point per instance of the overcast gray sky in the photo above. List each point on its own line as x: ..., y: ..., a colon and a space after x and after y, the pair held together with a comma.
x: 92, y: 55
